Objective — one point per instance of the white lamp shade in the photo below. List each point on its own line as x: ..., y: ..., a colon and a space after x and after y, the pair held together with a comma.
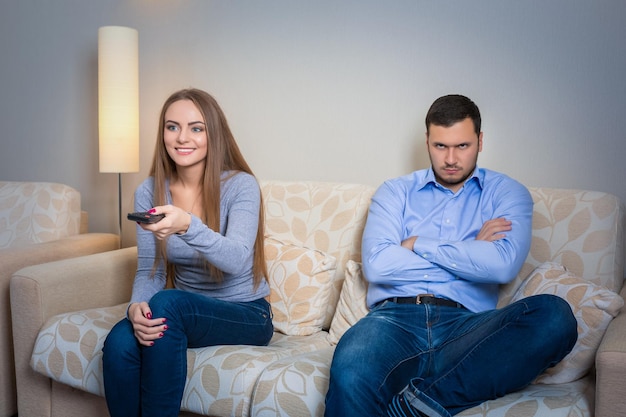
x: 118, y: 99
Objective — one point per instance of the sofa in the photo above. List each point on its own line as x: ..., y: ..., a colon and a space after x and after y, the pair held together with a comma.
x: 63, y: 310
x: 39, y: 222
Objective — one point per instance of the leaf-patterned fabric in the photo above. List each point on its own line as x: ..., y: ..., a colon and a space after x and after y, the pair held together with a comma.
x: 581, y: 230
x: 37, y: 212
x: 300, y: 283
x: 317, y: 222
x: 319, y: 215
x: 593, y: 306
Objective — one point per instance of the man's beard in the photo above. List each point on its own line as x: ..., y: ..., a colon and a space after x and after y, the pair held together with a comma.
x: 452, y: 181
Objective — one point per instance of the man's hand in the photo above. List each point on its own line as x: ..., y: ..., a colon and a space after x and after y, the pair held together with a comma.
x: 493, y: 229
x: 409, y: 242
x: 147, y: 329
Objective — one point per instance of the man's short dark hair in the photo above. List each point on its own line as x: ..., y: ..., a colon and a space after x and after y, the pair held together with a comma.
x: 451, y: 109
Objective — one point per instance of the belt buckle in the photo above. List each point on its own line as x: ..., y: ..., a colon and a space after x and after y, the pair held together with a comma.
x: 418, y: 299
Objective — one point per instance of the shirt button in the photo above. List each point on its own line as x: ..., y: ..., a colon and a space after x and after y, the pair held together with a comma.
x: 425, y: 275
x: 448, y: 221
x: 454, y: 265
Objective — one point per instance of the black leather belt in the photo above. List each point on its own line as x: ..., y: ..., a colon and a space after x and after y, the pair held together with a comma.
x: 425, y: 299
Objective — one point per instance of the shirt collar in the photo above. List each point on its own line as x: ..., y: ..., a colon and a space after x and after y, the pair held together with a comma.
x: 429, y: 178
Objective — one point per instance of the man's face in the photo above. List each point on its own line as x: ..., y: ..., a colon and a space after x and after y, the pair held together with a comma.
x: 453, y: 152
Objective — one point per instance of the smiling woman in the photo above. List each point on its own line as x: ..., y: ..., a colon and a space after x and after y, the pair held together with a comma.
x: 185, y: 134
x: 185, y: 139
x: 198, y: 180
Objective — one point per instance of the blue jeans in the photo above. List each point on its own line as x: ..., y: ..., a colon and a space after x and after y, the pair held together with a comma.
x: 149, y: 381
x: 449, y: 359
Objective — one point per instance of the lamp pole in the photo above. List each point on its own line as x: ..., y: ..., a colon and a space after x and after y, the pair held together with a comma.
x: 119, y: 202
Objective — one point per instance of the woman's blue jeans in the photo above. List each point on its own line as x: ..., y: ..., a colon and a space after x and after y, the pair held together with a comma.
x: 448, y: 358
x: 149, y: 381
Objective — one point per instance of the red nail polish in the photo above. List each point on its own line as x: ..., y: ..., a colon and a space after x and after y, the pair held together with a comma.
x: 149, y: 316
x: 165, y: 327
x: 151, y: 343
x: 164, y: 320
x: 151, y: 210
x: 160, y: 334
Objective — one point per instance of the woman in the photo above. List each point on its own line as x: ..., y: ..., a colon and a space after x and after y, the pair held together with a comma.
x: 208, y: 247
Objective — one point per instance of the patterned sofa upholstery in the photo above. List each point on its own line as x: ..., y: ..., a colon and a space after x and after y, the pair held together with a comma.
x: 39, y: 222
x: 313, y: 254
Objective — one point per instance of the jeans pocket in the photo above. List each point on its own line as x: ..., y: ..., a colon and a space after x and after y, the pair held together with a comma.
x: 263, y: 307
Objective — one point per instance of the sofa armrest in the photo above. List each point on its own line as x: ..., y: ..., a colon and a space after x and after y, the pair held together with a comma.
x: 14, y: 258
x: 611, y: 369
x: 42, y: 291
x: 84, y: 222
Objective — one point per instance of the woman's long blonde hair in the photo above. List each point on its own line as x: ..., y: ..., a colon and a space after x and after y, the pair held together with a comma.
x: 223, y: 154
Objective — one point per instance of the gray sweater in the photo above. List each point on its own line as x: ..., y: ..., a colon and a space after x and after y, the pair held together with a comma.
x: 231, y: 250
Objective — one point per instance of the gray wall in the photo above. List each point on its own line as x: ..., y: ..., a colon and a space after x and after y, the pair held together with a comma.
x: 324, y: 90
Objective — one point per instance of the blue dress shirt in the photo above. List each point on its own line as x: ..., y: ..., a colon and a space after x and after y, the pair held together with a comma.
x: 446, y: 260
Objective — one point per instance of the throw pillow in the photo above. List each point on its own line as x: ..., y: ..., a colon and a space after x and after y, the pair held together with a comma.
x: 593, y: 306
x: 300, y: 282
x: 352, y: 303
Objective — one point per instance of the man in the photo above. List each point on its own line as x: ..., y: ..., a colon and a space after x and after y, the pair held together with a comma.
x: 436, y: 246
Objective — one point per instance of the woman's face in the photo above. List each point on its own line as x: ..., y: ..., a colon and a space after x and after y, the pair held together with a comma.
x: 185, y: 134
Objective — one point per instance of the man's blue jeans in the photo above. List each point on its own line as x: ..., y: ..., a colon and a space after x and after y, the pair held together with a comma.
x: 149, y: 381
x: 448, y: 358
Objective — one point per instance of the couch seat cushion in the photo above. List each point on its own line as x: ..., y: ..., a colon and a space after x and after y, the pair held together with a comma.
x: 289, y: 386
x: 220, y: 379
x: 574, y: 399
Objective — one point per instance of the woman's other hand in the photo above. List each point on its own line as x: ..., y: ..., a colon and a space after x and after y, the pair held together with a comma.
x: 146, y: 328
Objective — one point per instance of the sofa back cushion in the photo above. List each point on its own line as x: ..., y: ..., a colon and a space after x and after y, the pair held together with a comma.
x: 328, y: 217
x: 581, y: 230
x: 300, y: 280
x: 36, y: 212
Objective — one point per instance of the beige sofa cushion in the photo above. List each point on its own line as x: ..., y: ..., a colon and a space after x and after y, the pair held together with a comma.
x: 593, y: 306
x: 220, y: 379
x: 352, y: 303
x: 36, y: 212
x: 297, y: 386
x: 582, y: 230
x: 300, y: 283
x: 574, y: 399
x: 69, y: 347
x: 326, y: 216
x: 294, y: 386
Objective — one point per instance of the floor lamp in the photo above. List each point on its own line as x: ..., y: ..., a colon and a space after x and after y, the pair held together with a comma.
x: 118, y: 103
